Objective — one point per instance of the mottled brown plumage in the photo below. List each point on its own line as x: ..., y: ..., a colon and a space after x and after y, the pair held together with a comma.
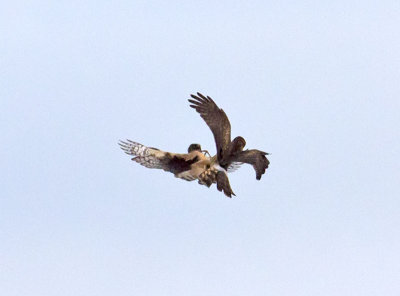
x: 195, y: 165
x: 228, y: 152
x: 187, y: 166
x: 254, y: 157
x: 223, y: 184
x: 208, y: 177
x: 216, y: 119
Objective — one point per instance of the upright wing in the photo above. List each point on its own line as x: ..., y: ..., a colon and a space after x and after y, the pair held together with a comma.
x: 216, y: 119
x: 256, y: 158
x: 154, y: 158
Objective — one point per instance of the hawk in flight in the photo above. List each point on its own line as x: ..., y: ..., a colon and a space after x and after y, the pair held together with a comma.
x: 197, y: 164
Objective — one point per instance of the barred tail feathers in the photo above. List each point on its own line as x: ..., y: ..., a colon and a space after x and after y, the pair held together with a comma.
x: 146, y: 156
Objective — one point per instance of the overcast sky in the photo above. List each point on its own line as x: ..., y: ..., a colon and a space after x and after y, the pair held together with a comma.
x: 315, y: 83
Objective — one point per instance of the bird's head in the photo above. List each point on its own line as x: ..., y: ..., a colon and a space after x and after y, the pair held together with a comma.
x: 238, y: 144
x: 194, y: 147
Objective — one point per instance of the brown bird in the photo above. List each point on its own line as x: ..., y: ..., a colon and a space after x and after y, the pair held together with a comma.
x: 229, y: 153
x: 187, y: 166
x: 195, y: 164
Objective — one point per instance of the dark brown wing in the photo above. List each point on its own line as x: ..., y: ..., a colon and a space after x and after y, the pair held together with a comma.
x: 223, y: 184
x: 216, y: 119
x: 177, y: 164
x: 256, y: 158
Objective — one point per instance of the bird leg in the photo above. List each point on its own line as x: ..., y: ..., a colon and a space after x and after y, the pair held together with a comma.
x: 206, y: 152
x: 208, y: 177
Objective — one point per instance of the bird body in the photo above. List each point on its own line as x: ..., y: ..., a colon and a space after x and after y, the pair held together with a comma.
x: 195, y: 165
x: 186, y: 166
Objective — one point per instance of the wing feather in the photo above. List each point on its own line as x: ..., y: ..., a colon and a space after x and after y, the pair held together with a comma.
x: 216, y: 120
x: 157, y: 159
x: 256, y: 158
x: 223, y: 184
x: 234, y: 166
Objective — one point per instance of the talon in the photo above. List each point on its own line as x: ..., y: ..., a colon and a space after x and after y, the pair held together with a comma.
x: 206, y: 152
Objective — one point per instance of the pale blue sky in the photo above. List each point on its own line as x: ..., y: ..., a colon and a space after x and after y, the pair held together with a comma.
x: 316, y: 83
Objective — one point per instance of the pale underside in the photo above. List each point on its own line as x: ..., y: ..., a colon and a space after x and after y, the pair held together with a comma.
x: 187, y: 166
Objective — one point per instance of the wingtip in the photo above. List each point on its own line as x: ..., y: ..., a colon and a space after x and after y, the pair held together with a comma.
x: 228, y: 194
x: 201, y: 99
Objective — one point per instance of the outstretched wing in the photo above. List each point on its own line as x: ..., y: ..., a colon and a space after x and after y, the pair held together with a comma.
x: 154, y: 158
x: 216, y: 119
x: 256, y: 158
x: 223, y: 184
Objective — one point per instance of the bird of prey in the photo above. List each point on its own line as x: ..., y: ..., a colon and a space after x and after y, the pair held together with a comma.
x: 196, y: 165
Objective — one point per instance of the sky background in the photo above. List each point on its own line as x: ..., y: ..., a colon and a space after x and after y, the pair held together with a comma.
x: 315, y: 83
